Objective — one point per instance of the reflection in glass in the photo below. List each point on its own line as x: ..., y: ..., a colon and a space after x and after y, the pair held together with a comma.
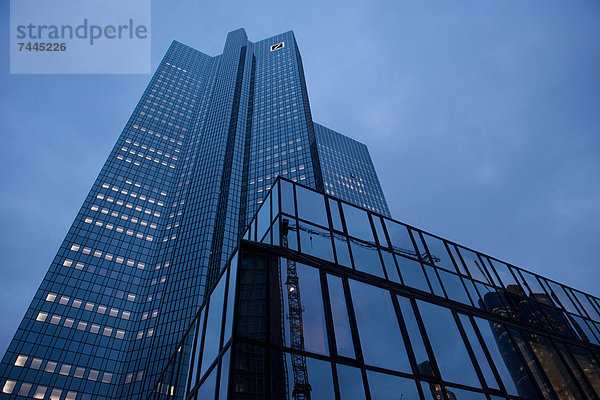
x: 341, y: 250
x: 214, y: 319
x: 313, y: 380
x: 537, y: 374
x: 583, y: 384
x: 207, y: 388
x: 224, y: 375
x: 401, y: 241
x: 484, y: 365
x: 589, y: 364
x: 555, y: 370
x: 366, y: 258
x: 302, y: 305
x: 448, y: 347
x: 249, y: 373
x: 230, y: 299
x: 474, y: 265
x: 350, y: 383
x: 438, y: 253
x: 357, y: 223
x: 412, y: 273
x: 506, y: 360
x: 381, y: 340
x: 414, y: 333
x: 197, y: 349
x: 311, y: 206
x: 454, y: 287
x: 339, y: 311
x: 315, y: 241
x: 385, y: 387
x: 378, y: 224
x: 433, y: 280
x: 287, y: 198
x: 336, y: 220
x: 390, y: 266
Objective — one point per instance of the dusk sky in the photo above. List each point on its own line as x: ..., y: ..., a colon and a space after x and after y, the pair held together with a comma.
x: 482, y: 119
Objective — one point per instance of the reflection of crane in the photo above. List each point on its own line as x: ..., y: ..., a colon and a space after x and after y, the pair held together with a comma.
x: 302, y: 388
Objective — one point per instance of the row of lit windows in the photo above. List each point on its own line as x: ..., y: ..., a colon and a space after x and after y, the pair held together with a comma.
x: 165, y: 137
x: 119, y: 229
x: 76, y: 303
x: 100, y: 254
x: 139, y: 185
x: 151, y: 150
x: 137, y: 208
x: 81, y: 325
x: 156, y: 160
x: 124, y: 217
x: 39, y: 393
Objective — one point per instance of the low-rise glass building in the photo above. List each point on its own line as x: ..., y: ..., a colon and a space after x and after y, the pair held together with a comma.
x: 325, y: 300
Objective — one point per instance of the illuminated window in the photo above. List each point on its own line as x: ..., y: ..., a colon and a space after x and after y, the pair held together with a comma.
x: 42, y: 317
x: 82, y: 326
x: 9, y: 386
x: 71, y: 396
x: 55, y: 320
x: 51, y: 297
x: 36, y: 363
x: 64, y: 300
x: 79, y: 372
x: 40, y: 392
x: 95, y: 328
x: 65, y: 369
x: 93, y: 376
x: 21, y: 360
x: 50, y: 367
x: 55, y: 395
x: 106, y: 378
x: 25, y: 389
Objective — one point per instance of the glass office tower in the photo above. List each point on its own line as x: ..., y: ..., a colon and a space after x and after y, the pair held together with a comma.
x: 206, y: 141
x: 325, y: 300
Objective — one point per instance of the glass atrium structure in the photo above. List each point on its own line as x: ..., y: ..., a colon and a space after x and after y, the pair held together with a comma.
x: 326, y: 300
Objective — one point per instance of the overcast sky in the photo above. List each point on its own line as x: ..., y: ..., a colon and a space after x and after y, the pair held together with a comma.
x: 482, y: 118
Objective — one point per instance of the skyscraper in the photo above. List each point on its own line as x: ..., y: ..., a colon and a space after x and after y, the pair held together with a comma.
x: 204, y: 144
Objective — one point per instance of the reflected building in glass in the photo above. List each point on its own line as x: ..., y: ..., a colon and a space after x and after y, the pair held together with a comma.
x: 232, y: 248
x: 327, y: 300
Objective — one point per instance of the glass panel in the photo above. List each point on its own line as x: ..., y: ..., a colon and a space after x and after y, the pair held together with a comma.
x: 470, y: 286
x: 197, y: 349
x: 335, y: 215
x: 207, y: 389
x: 414, y: 334
x: 249, y: 370
x: 538, y: 376
x: 224, y: 376
x: 448, y: 347
x: 533, y: 283
x: 459, y: 264
x: 506, y: 360
x: 366, y: 258
x: 311, y: 206
x: 412, y: 273
x: 386, y: 387
x: 287, y: 198
x: 230, y: 298
x: 306, y: 298
x: 378, y: 224
x: 587, y: 304
x: 482, y: 360
x: 275, y: 201
x: 263, y: 219
x: 390, y: 266
x: 474, y: 265
x: 401, y: 241
x: 350, y: 383
x: 454, y: 287
x: 315, y: 241
x: 289, y: 231
x: 589, y: 365
x: 433, y: 280
x: 213, y: 326
x: 357, y: 223
x: 341, y: 250
x: 381, y: 339
x: 251, y: 297
x: 339, y: 311
x: 318, y: 376
x: 504, y: 273
x: 439, y: 254
x: 554, y: 368
x: 583, y: 324
x: 562, y: 297
x: 570, y: 364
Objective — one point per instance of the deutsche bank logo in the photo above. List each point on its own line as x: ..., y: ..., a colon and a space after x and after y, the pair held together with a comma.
x: 278, y: 46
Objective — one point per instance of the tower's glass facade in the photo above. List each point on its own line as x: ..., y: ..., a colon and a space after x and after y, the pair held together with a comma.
x: 206, y: 141
x: 324, y: 300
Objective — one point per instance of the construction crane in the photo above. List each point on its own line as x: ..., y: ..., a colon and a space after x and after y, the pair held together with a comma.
x: 302, y: 388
